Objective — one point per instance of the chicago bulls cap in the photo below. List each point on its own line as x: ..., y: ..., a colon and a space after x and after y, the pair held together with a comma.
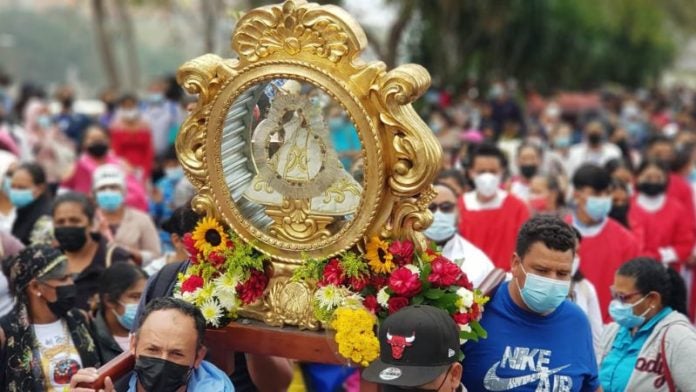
x: 417, y: 344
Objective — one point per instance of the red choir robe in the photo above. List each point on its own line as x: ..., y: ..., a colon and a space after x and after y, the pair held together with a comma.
x: 136, y: 148
x: 493, y: 230
x: 602, y: 254
x: 667, y: 227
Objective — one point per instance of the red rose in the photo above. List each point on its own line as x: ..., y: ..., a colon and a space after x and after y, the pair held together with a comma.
x: 461, y: 318
x: 404, y: 282
x: 396, y: 303
x: 189, y: 244
x: 444, y: 272
x: 192, y: 283
x: 216, y: 259
x: 402, y: 251
x: 253, y: 288
x: 358, y: 284
x: 379, y: 281
x: 464, y: 281
x: 475, y: 311
x: 230, y: 244
x: 370, y: 303
x: 333, y: 274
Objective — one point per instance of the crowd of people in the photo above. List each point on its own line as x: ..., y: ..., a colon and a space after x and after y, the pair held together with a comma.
x: 588, y: 205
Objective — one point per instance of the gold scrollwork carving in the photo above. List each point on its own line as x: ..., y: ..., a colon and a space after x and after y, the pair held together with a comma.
x: 290, y: 303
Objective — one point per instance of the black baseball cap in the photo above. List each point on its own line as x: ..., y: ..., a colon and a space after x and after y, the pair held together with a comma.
x: 417, y: 344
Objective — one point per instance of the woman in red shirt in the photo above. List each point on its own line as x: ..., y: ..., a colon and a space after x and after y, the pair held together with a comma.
x: 131, y: 138
x: 656, y: 219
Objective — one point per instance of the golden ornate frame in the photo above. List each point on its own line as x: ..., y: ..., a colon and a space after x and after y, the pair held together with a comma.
x: 320, y: 45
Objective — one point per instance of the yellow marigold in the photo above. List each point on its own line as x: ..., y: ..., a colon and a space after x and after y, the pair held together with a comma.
x: 209, y: 236
x: 355, y: 335
x: 378, y: 256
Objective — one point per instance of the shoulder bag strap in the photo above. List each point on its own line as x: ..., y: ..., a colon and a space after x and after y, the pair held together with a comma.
x: 665, y: 366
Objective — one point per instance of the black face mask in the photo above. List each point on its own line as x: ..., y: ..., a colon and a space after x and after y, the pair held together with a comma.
x: 528, y: 171
x: 651, y: 188
x: 98, y: 149
x: 71, y: 238
x: 594, y: 139
x: 160, y: 375
x: 619, y: 213
x: 65, y: 300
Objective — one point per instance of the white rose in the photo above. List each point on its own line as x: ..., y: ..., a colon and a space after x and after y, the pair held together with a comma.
x: 383, y: 298
x: 467, y: 297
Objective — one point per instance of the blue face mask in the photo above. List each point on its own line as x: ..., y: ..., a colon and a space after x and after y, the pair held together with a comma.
x: 109, y: 200
x: 44, y: 121
x: 443, y: 227
x: 623, y: 314
x: 562, y: 142
x: 598, y: 207
x: 174, y: 173
x: 21, y: 197
x: 543, y: 295
x: 128, y: 317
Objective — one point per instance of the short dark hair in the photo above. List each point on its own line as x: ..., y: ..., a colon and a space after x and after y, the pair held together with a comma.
x: 649, y: 162
x: 537, y: 148
x: 550, y: 230
x: 651, y: 275
x: 182, y: 221
x: 593, y: 176
x: 491, y: 151
x: 183, y: 307
x: 88, y: 207
x: 115, y: 280
x: 36, y: 172
x: 657, y: 138
x: 455, y: 174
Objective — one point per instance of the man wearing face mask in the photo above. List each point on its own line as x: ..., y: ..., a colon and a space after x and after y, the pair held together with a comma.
x: 443, y: 232
x: 606, y: 244
x: 594, y: 149
x: 43, y: 325
x: 529, y: 159
x: 489, y: 217
x: 169, y: 351
x: 539, y: 340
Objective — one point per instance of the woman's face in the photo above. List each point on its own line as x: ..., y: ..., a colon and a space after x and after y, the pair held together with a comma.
x: 130, y: 296
x: 93, y: 136
x: 625, y: 291
x: 70, y: 214
x: 47, y: 288
x: 21, y: 179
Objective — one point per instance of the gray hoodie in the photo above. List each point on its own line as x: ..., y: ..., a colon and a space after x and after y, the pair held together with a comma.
x: 680, y: 350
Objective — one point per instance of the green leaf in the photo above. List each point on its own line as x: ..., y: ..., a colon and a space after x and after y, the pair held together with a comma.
x: 478, y: 329
x: 434, y: 294
x: 418, y: 300
x: 468, y: 336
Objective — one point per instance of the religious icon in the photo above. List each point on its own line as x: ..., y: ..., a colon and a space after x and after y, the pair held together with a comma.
x: 300, y: 180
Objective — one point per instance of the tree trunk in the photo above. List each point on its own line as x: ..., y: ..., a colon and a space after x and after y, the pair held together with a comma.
x: 396, y: 32
x: 210, y: 10
x: 104, y: 43
x: 132, y: 63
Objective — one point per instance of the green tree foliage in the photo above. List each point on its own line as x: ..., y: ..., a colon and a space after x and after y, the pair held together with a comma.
x: 552, y: 43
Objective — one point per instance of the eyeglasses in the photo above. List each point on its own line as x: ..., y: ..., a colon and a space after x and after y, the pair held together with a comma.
x: 445, y: 207
x: 623, y: 298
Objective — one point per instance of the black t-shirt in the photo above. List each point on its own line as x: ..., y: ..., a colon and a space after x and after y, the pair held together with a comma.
x: 87, y: 281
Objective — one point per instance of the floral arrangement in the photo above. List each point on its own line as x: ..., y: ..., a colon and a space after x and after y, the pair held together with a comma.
x: 354, y: 291
x: 225, y: 272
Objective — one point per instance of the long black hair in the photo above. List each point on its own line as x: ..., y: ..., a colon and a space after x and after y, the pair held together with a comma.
x: 115, y: 280
x: 651, y: 275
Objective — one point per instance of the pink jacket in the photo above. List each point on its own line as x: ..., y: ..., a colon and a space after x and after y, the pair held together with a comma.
x: 81, y: 180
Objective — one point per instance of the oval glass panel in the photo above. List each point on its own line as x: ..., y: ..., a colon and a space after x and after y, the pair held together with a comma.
x: 291, y: 160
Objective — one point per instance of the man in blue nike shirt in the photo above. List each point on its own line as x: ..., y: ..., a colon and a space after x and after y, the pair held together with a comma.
x: 537, y: 339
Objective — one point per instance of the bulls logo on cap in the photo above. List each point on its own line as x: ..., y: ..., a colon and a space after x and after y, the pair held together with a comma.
x: 399, y: 343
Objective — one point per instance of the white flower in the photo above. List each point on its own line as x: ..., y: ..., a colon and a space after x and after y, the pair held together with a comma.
x: 190, y: 297
x: 467, y: 299
x: 211, y: 312
x: 383, y: 298
x: 226, y: 282
x: 329, y: 297
x: 464, y: 328
x: 228, y: 301
x: 413, y: 269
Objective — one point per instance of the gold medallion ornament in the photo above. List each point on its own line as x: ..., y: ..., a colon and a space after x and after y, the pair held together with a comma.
x: 275, y: 140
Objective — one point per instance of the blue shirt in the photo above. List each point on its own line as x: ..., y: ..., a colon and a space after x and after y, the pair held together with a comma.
x: 618, y: 365
x: 525, y: 351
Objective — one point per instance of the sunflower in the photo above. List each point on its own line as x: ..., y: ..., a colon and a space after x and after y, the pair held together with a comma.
x: 378, y: 256
x: 209, y: 236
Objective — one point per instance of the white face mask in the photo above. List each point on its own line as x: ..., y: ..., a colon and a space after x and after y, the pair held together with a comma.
x: 487, y: 184
x: 129, y: 114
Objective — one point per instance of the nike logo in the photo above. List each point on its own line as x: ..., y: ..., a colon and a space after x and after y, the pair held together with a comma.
x: 494, y: 383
